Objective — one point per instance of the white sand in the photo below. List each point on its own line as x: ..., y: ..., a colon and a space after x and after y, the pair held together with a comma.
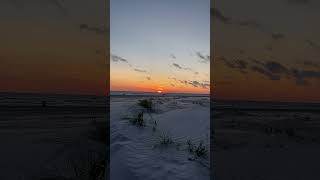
x: 136, y: 152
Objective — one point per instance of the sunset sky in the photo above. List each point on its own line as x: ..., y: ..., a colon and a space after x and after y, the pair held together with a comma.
x: 160, y: 45
x: 53, y: 46
x: 261, y: 50
x: 266, y: 50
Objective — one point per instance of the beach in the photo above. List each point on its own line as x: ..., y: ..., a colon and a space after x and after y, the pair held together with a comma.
x: 170, y: 141
x: 52, y: 136
x: 265, y: 140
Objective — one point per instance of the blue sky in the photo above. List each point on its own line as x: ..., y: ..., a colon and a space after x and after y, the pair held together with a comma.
x: 149, y: 33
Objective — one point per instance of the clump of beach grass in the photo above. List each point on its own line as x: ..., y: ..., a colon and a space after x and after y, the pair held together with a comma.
x: 154, y: 128
x: 190, y: 145
x: 138, y: 121
x: 92, y: 168
x: 165, y: 139
x: 198, y: 150
x: 146, y: 103
x: 201, y: 150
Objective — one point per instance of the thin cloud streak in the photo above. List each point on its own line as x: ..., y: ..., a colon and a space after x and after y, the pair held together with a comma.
x: 218, y: 15
x: 140, y: 70
x: 203, y: 58
x: 97, y: 30
x: 273, y: 70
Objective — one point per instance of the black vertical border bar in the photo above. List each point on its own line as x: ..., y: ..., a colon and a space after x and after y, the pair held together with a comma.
x: 211, y: 96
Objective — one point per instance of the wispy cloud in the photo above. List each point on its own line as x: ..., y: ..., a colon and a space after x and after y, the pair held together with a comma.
x: 301, y: 76
x: 116, y: 58
x: 313, y: 44
x: 274, y: 70
x: 235, y: 64
x: 97, y: 29
x: 193, y: 83
x: 177, y: 65
x: 173, y: 56
x: 203, y: 58
x: 276, y: 67
x: 217, y: 14
x: 271, y: 69
x: 140, y: 70
x: 277, y: 36
x: 172, y: 78
x: 60, y: 4
x: 266, y: 73
x: 199, y: 84
x: 181, y: 67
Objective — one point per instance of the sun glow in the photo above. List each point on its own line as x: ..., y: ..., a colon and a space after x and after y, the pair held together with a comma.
x: 159, y: 92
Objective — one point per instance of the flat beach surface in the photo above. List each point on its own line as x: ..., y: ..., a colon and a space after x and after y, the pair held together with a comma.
x: 49, y: 142
x: 266, y: 141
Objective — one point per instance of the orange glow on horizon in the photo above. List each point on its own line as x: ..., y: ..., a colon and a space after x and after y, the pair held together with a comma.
x: 168, y: 90
x: 124, y: 79
x: 131, y: 81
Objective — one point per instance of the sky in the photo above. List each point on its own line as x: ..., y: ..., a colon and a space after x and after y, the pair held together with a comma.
x: 260, y: 50
x: 160, y: 45
x: 266, y: 50
x: 53, y: 46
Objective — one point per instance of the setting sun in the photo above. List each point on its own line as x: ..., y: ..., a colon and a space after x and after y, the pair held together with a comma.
x: 181, y: 67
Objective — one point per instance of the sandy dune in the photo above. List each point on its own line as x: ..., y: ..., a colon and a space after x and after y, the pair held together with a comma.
x: 138, y: 152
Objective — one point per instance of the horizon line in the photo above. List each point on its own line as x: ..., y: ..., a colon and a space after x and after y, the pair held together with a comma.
x: 159, y: 93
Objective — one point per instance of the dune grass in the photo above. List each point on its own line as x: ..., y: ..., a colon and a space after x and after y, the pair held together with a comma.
x: 146, y: 103
x: 198, y: 150
x: 201, y: 150
x: 92, y: 168
x: 154, y: 127
x: 165, y: 139
x: 138, y: 121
